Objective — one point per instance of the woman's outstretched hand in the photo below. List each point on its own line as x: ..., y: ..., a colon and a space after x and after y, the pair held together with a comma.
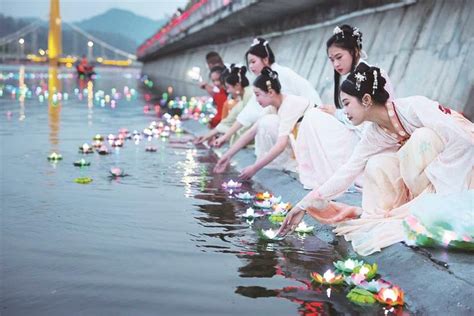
x: 334, y: 213
x: 292, y: 219
x: 222, y: 164
x: 247, y: 172
x: 218, y: 142
x: 200, y: 139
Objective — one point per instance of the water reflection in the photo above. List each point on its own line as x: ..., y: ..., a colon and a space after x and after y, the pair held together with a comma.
x: 22, y: 92
x: 54, y: 107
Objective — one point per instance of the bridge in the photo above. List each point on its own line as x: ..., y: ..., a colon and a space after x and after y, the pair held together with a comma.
x: 23, y: 45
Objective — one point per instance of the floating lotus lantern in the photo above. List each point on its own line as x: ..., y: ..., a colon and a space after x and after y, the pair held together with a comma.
x: 275, y: 199
x: 303, y: 228
x: 231, y: 184
x: 361, y: 296
x: 103, y: 150
x: 151, y: 149
x: 86, y: 149
x: 244, y: 196
x: 328, y: 278
x: 81, y: 163
x: 366, y: 270
x: 270, y: 234
x: 97, y: 144
x: 375, y: 286
x: 117, y: 172
x: 263, y: 204
x: 83, y: 180
x: 148, y: 132
x: 390, y: 296
x: 117, y: 143
x: 55, y: 157
x: 281, y: 208
x: 348, y: 265
x: 250, y: 213
x: 111, y: 137
x: 276, y: 217
x: 263, y: 196
x: 98, y: 137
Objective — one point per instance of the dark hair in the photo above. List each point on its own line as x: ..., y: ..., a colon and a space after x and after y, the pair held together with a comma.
x: 218, y: 69
x: 365, y: 79
x: 348, y: 38
x: 260, y: 48
x: 237, y: 75
x: 214, y: 58
x: 268, y: 79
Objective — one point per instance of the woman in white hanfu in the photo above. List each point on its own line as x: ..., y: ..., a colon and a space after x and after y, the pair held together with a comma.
x: 326, y: 138
x: 412, y: 146
x: 272, y: 131
x: 258, y: 56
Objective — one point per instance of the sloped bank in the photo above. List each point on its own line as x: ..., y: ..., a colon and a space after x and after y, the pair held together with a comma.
x: 436, y: 282
x: 425, y: 46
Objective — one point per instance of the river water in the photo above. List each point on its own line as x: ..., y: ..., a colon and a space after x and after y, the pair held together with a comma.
x: 165, y: 240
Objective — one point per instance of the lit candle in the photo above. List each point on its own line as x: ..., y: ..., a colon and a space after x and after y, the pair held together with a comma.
x: 364, y: 270
x: 349, y: 264
x: 250, y: 212
x: 328, y: 276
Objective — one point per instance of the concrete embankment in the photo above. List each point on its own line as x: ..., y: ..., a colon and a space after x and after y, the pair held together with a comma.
x: 436, y: 281
x: 426, y: 47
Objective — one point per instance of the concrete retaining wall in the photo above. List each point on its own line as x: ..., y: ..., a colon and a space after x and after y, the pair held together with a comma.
x: 425, y: 46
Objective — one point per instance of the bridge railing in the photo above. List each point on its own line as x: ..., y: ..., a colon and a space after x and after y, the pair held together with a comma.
x: 195, y: 14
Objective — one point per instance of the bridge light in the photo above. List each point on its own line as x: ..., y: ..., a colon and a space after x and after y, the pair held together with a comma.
x: 90, y: 43
x: 21, y: 41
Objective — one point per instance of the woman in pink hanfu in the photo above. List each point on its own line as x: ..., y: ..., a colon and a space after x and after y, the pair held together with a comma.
x: 411, y: 147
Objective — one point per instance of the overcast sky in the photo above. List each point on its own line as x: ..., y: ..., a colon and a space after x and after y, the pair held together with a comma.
x: 75, y: 10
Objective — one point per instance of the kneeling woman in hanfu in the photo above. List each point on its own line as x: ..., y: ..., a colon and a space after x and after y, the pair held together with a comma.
x: 413, y: 146
x: 272, y: 131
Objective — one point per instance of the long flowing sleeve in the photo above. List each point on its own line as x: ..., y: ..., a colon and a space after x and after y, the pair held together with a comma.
x: 227, y: 122
x: 450, y: 172
x: 251, y: 112
x: 372, y: 143
x: 294, y: 84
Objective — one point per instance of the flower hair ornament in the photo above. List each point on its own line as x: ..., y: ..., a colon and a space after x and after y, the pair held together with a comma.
x: 337, y: 30
x: 273, y: 75
x: 359, y: 77
x: 255, y: 42
x: 269, y: 85
x: 375, y: 85
x: 357, y: 35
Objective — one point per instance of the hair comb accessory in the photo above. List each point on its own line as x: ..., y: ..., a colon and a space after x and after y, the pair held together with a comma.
x: 359, y: 79
x: 255, y: 42
x: 375, y: 85
x: 357, y: 35
x: 272, y: 75
x: 265, y: 44
x: 337, y: 30
x: 269, y: 85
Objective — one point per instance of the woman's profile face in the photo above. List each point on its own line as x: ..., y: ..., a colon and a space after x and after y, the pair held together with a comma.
x: 256, y: 63
x: 263, y: 98
x: 353, y: 108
